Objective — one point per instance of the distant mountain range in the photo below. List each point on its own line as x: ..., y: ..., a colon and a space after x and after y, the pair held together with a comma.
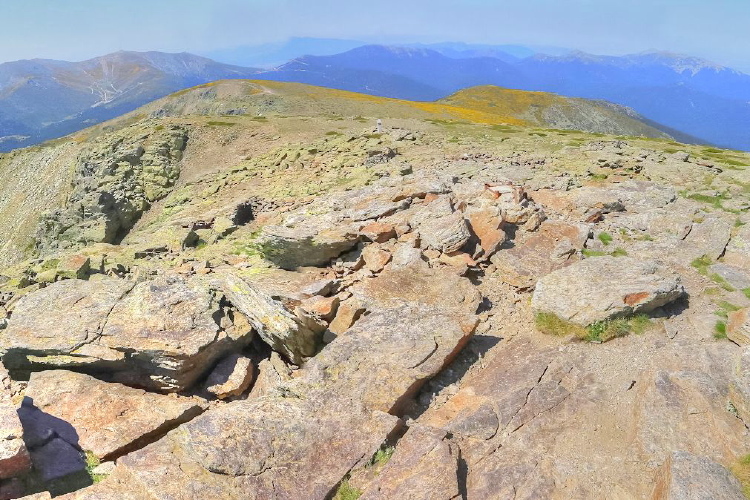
x: 688, y: 94
x: 43, y: 99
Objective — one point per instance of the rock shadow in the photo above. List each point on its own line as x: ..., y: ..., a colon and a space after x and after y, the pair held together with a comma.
x: 59, y: 464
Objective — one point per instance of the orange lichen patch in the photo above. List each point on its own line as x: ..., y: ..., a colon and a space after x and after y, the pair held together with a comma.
x: 635, y: 298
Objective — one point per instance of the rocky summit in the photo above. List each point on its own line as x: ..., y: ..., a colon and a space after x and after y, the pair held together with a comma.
x: 255, y: 290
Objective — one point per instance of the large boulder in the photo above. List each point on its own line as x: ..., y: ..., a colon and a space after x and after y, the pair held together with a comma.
x: 162, y: 334
x: 601, y: 288
x: 387, y: 356
x: 293, y: 247
x: 58, y: 325
x: 106, y: 419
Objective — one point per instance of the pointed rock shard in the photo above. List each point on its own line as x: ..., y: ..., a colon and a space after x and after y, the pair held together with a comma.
x: 107, y: 419
x: 296, y: 336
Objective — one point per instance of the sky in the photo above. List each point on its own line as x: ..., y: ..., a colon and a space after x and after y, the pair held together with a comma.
x: 80, y: 29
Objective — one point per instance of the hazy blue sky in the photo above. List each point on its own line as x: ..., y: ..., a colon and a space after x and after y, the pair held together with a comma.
x: 79, y: 29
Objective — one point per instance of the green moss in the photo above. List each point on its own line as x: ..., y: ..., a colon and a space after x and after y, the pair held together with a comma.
x: 720, y: 330
x: 605, y: 238
x: 701, y: 264
x: 92, y: 462
x: 746, y: 291
x: 551, y: 324
x: 602, y: 331
x: 346, y: 491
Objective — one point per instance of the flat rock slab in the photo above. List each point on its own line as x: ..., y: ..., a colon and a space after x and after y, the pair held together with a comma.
x: 161, y: 334
x: 423, y: 467
x: 383, y: 360
x: 601, y: 288
x: 269, y: 447
x: 689, y: 477
x: 106, y: 419
x: 736, y: 276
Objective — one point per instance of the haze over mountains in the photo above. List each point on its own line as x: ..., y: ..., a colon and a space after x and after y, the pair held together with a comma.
x: 43, y: 99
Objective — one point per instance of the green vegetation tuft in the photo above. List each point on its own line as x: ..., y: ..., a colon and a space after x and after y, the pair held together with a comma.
x: 617, y: 252
x: 92, y: 462
x: 601, y: 331
x: 382, y: 456
x: 746, y: 291
x: 605, y: 238
x: 214, y: 123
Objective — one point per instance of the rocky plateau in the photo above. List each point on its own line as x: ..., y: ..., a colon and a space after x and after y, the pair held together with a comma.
x: 246, y: 291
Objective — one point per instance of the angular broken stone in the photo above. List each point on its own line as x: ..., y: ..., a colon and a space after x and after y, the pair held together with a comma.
x: 601, y: 288
x: 554, y: 245
x: 231, y: 377
x: 296, y: 336
x: 375, y: 258
x: 387, y: 355
x: 378, y: 232
x: 106, y: 419
x: 14, y: 457
x: 447, y: 234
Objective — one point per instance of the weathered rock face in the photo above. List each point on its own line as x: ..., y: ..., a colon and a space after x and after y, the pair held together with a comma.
x: 290, y: 248
x: 161, y: 334
x: 689, y: 477
x: 106, y: 419
x: 116, y: 181
x: 605, y: 287
x: 14, y: 457
x: 295, y: 336
x: 738, y: 249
